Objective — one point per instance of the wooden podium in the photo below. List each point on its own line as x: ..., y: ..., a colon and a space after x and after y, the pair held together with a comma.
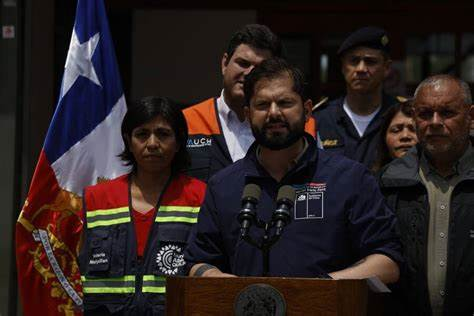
x: 218, y: 296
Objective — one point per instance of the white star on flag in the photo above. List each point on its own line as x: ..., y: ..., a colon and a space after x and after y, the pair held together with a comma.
x: 79, y: 62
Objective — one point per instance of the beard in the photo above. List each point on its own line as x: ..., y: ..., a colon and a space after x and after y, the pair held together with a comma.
x: 436, y: 148
x: 279, y: 140
x: 449, y: 146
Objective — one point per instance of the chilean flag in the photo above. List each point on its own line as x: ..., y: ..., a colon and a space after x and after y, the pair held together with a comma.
x: 81, y: 147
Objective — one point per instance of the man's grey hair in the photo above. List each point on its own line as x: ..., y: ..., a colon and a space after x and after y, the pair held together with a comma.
x: 437, y: 80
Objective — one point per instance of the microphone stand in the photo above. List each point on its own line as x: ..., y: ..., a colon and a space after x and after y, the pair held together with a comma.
x: 280, y: 218
x: 265, y: 244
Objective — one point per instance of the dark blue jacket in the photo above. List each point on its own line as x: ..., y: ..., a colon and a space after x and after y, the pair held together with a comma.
x: 346, y: 220
x: 338, y: 134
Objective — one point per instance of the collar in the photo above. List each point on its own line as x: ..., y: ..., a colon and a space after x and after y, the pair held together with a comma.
x: 293, y: 162
x: 223, y: 109
x: 305, y: 159
x: 387, y: 101
x: 466, y: 162
x: 346, y: 107
x: 463, y: 165
x: 404, y: 171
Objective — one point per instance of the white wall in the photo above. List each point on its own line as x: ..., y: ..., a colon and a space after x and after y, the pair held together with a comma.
x: 178, y: 53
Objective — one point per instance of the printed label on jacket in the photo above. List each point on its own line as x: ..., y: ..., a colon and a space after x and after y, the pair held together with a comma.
x: 99, y: 258
x: 309, y: 201
x: 199, y: 142
x: 330, y: 143
x: 169, y: 259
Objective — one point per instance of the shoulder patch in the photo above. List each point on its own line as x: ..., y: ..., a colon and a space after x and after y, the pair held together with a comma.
x: 330, y: 143
x: 401, y: 99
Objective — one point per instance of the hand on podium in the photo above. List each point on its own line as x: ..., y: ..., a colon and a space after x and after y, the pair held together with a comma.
x: 207, y: 270
x: 377, y: 265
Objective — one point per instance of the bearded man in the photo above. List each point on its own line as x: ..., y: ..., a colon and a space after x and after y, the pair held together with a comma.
x: 340, y: 226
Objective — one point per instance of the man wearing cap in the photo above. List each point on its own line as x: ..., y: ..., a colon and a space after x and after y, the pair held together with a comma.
x: 350, y: 125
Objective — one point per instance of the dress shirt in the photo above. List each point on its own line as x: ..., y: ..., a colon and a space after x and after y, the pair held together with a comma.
x: 238, y: 135
x: 439, y: 195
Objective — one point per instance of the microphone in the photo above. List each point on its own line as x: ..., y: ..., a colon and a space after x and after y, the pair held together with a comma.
x: 247, y: 213
x: 282, y: 214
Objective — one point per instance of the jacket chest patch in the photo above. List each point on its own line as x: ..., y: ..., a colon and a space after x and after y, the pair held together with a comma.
x: 328, y: 143
x: 309, y: 201
x: 169, y: 259
x: 100, y: 258
x: 199, y: 142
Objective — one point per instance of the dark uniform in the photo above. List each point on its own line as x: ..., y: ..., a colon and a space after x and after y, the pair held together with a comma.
x: 339, y: 218
x: 336, y: 130
x: 339, y: 135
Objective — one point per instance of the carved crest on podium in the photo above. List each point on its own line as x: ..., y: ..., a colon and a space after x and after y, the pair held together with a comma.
x: 261, y: 300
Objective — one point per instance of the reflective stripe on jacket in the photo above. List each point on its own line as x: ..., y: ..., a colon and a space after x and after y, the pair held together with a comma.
x: 114, y: 280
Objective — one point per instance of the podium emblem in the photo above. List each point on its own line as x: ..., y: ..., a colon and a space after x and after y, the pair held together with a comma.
x: 261, y: 300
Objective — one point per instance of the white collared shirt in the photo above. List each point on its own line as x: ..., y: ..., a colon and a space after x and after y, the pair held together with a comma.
x: 238, y: 135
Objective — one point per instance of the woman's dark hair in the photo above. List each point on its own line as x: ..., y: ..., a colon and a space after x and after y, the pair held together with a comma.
x: 143, y: 111
x: 383, y: 156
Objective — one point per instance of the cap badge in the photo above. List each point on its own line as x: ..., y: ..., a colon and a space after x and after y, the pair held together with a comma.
x: 384, y: 40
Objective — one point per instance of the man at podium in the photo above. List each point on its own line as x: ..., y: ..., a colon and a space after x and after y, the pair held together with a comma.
x: 339, y: 225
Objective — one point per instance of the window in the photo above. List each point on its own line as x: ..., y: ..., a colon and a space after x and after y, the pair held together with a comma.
x: 467, y: 56
x: 428, y: 55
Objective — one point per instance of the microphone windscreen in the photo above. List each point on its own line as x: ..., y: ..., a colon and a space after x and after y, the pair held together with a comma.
x: 251, y: 190
x: 286, y: 192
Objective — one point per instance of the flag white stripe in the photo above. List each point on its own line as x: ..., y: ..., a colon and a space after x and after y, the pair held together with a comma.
x: 95, y: 155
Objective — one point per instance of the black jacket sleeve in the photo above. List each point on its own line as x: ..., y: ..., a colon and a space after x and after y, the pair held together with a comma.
x: 205, y: 244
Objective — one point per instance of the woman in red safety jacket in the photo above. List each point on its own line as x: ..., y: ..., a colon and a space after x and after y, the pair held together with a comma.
x: 136, y: 226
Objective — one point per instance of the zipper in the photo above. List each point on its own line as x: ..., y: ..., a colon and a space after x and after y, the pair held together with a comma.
x: 138, y: 287
x: 154, y: 225
x: 138, y: 297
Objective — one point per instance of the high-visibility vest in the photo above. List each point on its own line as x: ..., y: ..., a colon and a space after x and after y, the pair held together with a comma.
x: 206, y: 144
x: 114, y: 280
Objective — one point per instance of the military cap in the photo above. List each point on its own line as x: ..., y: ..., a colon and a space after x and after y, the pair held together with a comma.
x: 369, y: 36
